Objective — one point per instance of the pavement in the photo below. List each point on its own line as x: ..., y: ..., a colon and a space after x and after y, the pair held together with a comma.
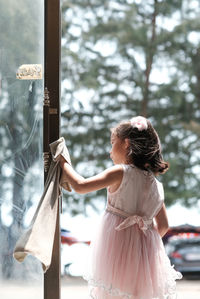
x: 76, y: 288
x: 188, y: 289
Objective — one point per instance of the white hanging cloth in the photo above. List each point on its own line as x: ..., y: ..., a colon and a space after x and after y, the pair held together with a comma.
x: 38, y: 239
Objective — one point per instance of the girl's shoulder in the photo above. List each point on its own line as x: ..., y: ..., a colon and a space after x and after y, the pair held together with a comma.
x: 127, y: 166
x: 131, y: 170
x: 135, y: 169
x: 118, y: 168
x: 124, y: 170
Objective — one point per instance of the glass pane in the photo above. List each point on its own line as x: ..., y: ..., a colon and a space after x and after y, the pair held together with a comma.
x: 21, y: 165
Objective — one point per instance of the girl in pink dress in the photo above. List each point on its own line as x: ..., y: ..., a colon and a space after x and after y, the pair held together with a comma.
x: 128, y: 258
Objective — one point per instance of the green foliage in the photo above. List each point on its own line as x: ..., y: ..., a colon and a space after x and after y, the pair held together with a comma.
x: 124, y: 58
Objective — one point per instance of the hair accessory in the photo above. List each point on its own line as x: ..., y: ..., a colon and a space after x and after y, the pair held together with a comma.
x: 139, y: 122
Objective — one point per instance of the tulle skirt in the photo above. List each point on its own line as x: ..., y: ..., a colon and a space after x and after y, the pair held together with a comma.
x: 129, y: 264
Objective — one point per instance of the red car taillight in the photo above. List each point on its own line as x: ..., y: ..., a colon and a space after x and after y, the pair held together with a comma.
x: 176, y: 255
x: 87, y: 242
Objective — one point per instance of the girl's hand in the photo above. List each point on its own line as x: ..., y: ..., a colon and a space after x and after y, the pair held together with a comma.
x: 62, y: 161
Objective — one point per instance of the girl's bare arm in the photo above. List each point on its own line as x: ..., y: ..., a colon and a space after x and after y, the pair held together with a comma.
x: 162, y: 221
x: 108, y: 177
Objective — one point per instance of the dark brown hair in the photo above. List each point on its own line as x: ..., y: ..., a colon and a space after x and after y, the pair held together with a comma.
x: 145, y: 149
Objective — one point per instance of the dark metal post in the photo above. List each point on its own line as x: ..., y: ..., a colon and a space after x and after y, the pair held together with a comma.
x: 52, y: 125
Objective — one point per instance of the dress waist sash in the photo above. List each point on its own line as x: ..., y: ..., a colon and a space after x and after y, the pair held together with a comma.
x: 142, y: 222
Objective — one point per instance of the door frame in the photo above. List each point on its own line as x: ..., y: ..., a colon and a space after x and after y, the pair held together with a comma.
x: 51, y: 123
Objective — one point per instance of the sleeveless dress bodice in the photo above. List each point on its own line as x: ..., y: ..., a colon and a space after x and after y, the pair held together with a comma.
x: 139, y: 193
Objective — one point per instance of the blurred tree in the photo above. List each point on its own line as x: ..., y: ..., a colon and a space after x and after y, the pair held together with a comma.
x: 124, y: 58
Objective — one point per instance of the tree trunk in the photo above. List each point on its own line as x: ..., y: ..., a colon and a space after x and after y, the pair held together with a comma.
x: 149, y: 62
x: 23, y: 159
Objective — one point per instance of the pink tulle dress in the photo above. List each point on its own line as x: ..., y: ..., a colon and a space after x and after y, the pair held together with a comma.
x: 128, y: 259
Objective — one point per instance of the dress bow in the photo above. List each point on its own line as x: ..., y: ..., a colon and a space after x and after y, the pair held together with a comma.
x: 131, y: 220
x: 142, y: 222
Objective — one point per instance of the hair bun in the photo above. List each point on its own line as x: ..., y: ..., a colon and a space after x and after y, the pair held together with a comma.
x: 163, y: 167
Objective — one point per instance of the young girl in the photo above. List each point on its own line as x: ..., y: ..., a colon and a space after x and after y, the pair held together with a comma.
x: 128, y: 256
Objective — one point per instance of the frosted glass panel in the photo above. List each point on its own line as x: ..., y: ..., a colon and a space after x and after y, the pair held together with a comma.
x: 21, y: 165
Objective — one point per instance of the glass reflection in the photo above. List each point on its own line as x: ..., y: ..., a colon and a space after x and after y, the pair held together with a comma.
x: 21, y: 165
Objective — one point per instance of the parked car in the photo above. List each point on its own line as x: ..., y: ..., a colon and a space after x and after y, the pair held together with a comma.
x: 184, y: 254
x: 74, y: 253
x: 68, y: 238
